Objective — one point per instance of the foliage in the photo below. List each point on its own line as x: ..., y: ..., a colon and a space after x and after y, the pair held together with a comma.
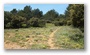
x: 7, y: 19
x: 17, y: 21
x: 20, y: 18
x: 14, y: 11
x: 36, y: 13
x: 58, y: 23
x: 27, y: 12
x: 35, y: 22
x: 76, y: 14
x: 51, y: 15
x: 24, y: 25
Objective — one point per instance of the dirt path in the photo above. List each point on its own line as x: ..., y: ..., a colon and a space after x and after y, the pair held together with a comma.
x: 50, y: 41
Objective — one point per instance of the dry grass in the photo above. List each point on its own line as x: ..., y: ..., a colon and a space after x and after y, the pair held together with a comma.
x: 37, y: 38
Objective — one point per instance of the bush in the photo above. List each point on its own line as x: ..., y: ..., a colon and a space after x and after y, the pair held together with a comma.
x: 8, y: 25
x: 42, y: 23
x: 24, y: 25
x: 69, y: 23
x: 58, y: 23
x: 35, y: 22
x: 76, y: 35
x: 82, y: 29
x: 48, y: 21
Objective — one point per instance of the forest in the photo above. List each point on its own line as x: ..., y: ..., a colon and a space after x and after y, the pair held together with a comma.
x: 72, y: 21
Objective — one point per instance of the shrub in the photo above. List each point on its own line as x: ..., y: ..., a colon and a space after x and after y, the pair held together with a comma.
x: 42, y: 23
x: 76, y: 35
x: 24, y: 25
x: 58, y: 23
x: 8, y: 25
x: 82, y: 29
x: 69, y: 23
x: 35, y: 22
x: 48, y: 21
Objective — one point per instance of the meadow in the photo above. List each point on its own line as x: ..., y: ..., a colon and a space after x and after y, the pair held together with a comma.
x: 49, y: 37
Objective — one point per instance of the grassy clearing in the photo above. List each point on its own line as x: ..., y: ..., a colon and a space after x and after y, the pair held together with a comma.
x: 37, y: 38
x: 30, y: 37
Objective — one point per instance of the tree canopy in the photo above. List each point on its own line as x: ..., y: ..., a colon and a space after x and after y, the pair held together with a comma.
x: 74, y: 15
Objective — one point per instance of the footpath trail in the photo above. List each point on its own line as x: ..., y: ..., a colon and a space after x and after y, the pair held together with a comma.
x: 51, y: 37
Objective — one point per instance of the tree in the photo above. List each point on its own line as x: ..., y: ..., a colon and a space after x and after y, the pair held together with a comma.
x: 35, y: 22
x: 27, y: 12
x: 21, y: 13
x: 76, y: 15
x: 17, y: 21
x: 61, y: 16
x: 66, y: 14
x: 36, y: 13
x: 7, y: 19
x: 51, y: 15
x: 14, y: 11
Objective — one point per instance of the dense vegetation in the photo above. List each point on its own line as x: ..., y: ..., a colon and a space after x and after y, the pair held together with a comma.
x: 74, y: 15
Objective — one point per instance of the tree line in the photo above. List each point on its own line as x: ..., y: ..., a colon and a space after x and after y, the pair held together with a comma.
x: 74, y: 16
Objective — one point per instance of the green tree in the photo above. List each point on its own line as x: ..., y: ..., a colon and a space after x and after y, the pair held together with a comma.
x: 27, y: 12
x: 17, y: 21
x: 76, y: 15
x: 14, y: 11
x: 61, y: 16
x: 7, y: 19
x: 21, y: 13
x: 51, y: 15
x: 36, y: 13
x: 35, y: 22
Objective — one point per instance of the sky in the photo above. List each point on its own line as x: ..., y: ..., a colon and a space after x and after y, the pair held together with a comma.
x: 60, y: 8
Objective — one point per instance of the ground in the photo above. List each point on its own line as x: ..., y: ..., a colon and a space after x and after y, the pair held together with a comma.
x: 49, y: 37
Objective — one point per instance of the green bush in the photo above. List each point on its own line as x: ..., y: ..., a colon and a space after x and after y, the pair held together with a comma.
x: 8, y: 25
x: 42, y: 23
x: 76, y: 35
x: 48, y: 21
x: 35, y: 22
x: 24, y: 25
x: 58, y: 23
x: 69, y: 22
